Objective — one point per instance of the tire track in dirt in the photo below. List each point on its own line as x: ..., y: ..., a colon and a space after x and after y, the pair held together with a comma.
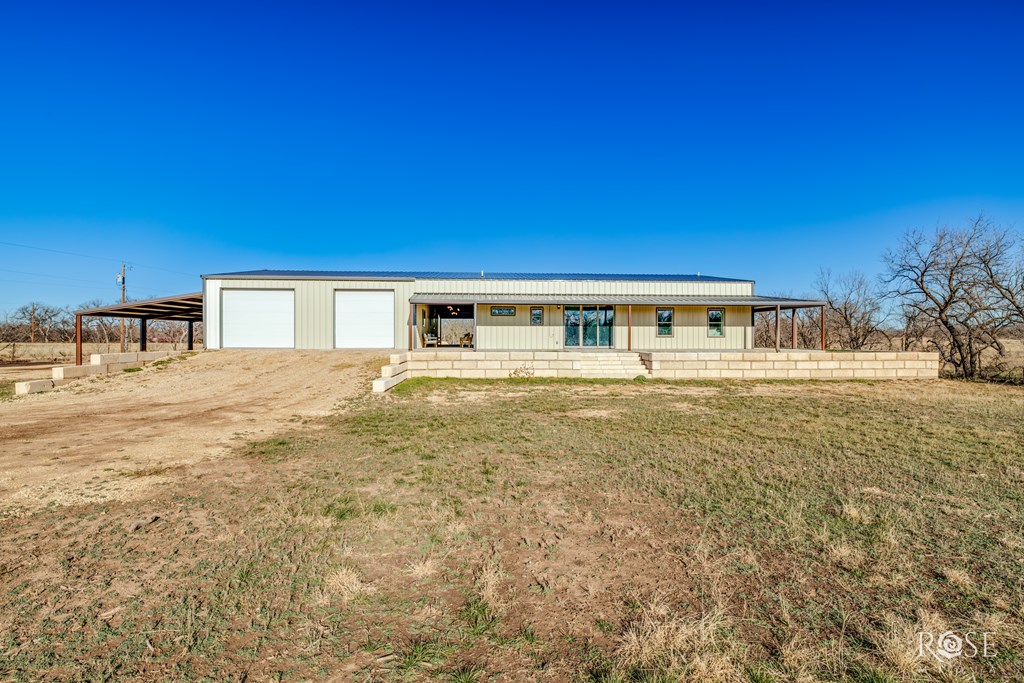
x: 87, y: 441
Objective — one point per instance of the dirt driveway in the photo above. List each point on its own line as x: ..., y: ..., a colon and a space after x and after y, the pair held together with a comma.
x: 93, y: 440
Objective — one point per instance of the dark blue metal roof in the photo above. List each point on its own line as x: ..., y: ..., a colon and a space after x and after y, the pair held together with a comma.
x: 432, y: 275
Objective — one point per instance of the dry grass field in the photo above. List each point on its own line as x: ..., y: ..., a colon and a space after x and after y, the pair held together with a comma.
x: 543, y: 531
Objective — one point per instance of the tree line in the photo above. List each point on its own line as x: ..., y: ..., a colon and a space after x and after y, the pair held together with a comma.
x: 40, y: 322
x: 958, y: 291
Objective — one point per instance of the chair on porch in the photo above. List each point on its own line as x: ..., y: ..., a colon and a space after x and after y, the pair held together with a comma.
x: 427, y: 339
x: 466, y: 340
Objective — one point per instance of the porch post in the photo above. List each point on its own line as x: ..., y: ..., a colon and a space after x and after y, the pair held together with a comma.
x: 142, y: 334
x: 78, y: 340
x: 412, y: 319
x: 629, y: 327
x: 190, y: 335
x: 476, y: 339
x: 778, y: 330
x: 822, y: 328
x: 793, y: 344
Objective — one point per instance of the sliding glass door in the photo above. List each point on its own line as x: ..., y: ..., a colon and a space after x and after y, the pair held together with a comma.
x: 589, y: 326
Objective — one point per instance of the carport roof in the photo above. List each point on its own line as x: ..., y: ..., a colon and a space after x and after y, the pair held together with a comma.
x: 759, y: 303
x: 185, y: 307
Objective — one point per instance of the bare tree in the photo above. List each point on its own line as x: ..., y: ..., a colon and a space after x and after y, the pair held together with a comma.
x: 855, y: 311
x: 940, y: 278
x: 1000, y: 261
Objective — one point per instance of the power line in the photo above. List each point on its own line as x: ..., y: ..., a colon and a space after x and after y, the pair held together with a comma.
x: 60, y: 284
x: 59, y: 277
x: 96, y: 258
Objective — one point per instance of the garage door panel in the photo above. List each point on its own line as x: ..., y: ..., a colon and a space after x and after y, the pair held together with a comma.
x: 364, y: 319
x: 258, y: 318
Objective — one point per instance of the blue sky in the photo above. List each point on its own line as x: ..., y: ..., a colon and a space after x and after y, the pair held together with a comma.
x: 749, y: 140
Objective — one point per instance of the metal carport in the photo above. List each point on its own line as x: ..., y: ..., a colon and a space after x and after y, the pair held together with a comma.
x: 183, y: 307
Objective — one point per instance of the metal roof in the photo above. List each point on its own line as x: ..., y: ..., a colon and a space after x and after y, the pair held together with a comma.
x: 758, y: 302
x: 476, y: 275
x: 186, y: 307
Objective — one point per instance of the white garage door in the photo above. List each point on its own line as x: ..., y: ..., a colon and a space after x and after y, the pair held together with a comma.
x: 364, y: 319
x: 258, y: 318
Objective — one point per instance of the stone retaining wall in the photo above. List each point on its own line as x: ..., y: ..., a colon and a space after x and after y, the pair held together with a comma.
x: 99, y: 364
x: 792, y: 364
x: 476, y: 365
x: 761, y: 364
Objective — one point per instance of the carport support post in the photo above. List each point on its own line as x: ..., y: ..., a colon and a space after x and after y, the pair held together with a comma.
x: 778, y: 329
x: 142, y: 334
x: 822, y: 328
x: 793, y: 330
x: 190, y: 336
x: 78, y: 340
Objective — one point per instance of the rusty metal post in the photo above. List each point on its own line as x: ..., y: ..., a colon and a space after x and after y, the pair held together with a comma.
x: 78, y: 340
x: 629, y: 327
x: 142, y: 334
x: 793, y: 344
x: 822, y: 328
x: 778, y: 327
x: 190, y: 336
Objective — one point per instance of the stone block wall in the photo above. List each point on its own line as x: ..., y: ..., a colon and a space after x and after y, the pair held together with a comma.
x: 786, y: 364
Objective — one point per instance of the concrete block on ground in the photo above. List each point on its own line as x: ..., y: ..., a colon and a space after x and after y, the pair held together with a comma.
x: 149, y: 356
x: 382, y: 384
x: 393, y: 370
x: 118, y: 367
x: 75, y: 371
x: 33, y: 386
x: 105, y: 358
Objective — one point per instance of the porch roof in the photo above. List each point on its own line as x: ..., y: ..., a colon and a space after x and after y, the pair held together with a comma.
x: 759, y: 303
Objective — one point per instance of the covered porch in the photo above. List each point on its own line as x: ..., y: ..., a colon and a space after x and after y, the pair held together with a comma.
x: 594, y: 322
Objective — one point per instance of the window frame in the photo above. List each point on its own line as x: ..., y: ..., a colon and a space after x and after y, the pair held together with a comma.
x: 671, y: 321
x: 533, y: 310
x: 720, y: 325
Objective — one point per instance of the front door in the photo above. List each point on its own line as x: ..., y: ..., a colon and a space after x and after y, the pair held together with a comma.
x: 589, y: 326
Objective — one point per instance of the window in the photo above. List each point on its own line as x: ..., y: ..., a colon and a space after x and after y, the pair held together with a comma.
x: 503, y: 310
x: 665, y: 322
x: 537, y: 315
x: 716, y: 322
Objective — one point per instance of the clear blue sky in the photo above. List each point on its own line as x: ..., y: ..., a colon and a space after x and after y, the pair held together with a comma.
x: 756, y: 140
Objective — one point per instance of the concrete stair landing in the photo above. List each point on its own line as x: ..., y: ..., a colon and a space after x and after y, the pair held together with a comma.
x: 612, y: 365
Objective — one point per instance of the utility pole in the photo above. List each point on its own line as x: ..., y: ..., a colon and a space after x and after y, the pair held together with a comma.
x: 121, y: 281
x: 32, y: 326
